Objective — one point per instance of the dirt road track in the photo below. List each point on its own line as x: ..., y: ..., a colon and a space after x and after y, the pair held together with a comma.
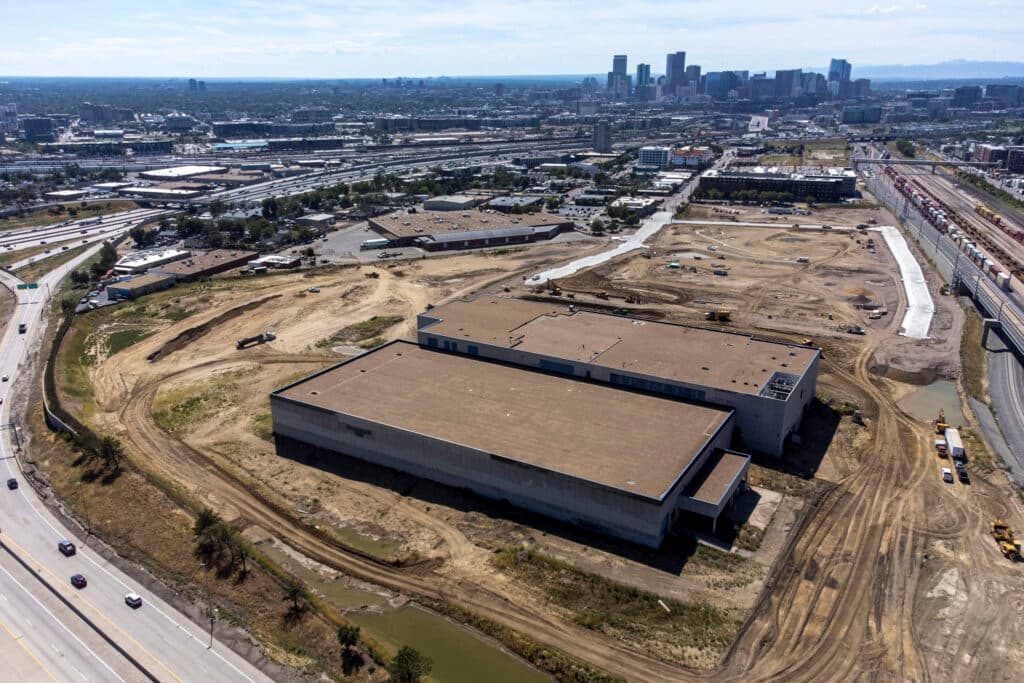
x: 845, y: 599
x: 209, y: 482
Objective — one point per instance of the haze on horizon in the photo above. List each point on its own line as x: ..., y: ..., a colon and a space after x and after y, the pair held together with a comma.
x: 383, y: 38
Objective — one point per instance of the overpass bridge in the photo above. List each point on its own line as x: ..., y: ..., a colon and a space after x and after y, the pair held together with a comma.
x: 855, y: 161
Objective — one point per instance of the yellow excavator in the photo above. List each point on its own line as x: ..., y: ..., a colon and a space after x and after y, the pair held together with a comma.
x: 1010, y: 548
x: 940, y: 425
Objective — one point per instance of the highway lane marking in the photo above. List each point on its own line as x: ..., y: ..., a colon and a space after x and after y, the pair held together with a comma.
x: 56, y: 581
x: 23, y: 646
x: 152, y: 605
x: 61, y: 623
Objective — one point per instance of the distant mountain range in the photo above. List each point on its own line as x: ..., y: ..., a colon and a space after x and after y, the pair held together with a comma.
x: 951, y: 70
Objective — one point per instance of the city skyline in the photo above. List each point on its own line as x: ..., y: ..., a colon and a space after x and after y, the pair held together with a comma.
x: 316, y: 39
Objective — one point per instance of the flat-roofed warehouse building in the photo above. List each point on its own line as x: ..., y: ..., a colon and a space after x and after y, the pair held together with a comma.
x: 769, y: 384
x: 441, y: 230
x: 832, y: 186
x: 623, y: 463
x: 206, y: 264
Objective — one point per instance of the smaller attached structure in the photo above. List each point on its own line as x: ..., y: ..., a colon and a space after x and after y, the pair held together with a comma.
x: 452, y: 202
x: 140, y: 286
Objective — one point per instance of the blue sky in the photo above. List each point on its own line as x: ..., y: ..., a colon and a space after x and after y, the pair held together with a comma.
x: 367, y: 38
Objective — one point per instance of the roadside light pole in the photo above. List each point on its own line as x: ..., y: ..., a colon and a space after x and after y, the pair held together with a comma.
x: 85, y: 509
x: 209, y: 601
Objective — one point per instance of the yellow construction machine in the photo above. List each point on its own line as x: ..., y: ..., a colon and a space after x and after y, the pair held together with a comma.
x: 720, y: 315
x: 1010, y: 548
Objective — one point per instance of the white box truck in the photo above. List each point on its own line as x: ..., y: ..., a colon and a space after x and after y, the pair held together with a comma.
x: 954, y: 444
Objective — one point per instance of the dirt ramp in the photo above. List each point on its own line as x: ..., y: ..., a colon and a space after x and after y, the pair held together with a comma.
x: 199, y: 331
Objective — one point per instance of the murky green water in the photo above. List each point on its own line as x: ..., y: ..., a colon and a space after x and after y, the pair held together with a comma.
x: 335, y: 590
x: 459, y: 655
x: 925, y: 403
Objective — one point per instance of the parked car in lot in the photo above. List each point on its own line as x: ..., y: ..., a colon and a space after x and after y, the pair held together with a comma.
x: 78, y: 581
x: 133, y: 600
x: 947, y: 475
x: 12, y: 483
x: 67, y: 548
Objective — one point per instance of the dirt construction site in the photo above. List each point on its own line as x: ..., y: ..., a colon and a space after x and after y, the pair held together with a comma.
x: 857, y: 562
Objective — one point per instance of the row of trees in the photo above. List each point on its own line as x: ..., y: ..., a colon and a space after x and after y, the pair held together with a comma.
x: 750, y: 196
x: 906, y: 148
x: 106, y: 259
x: 221, y: 547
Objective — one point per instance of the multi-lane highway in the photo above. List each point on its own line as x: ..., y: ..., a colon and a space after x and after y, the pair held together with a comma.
x: 153, y: 641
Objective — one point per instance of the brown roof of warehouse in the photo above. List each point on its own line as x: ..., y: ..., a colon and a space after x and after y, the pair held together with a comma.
x: 442, y: 222
x: 141, y: 281
x: 733, y: 362
x: 200, y: 263
x: 577, y: 428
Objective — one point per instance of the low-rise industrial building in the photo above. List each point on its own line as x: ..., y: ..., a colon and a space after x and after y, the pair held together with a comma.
x: 443, y: 230
x: 769, y: 384
x: 512, y: 203
x: 453, y: 202
x: 276, y: 261
x: 180, y: 172
x: 141, y: 261
x: 207, y: 264
x: 139, y: 286
x: 323, y: 221
x: 623, y: 463
x: 66, y: 195
x: 832, y: 186
x: 162, y: 193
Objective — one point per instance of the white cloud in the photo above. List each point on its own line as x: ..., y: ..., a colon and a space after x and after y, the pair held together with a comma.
x: 321, y: 38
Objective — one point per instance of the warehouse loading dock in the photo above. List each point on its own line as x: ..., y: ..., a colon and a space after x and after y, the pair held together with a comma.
x: 519, y: 435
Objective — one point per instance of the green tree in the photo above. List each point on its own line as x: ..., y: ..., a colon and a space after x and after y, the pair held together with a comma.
x: 409, y: 666
x: 217, y: 208
x: 110, y: 451
x: 295, y: 593
x: 270, y: 208
x: 348, y: 636
x: 205, y: 520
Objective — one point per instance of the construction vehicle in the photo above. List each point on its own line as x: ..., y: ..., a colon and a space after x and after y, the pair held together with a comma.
x: 254, y: 341
x: 858, y: 417
x: 602, y: 295
x: 1000, y: 530
x: 1010, y: 550
x: 719, y: 315
x: 1009, y: 547
x: 807, y: 342
x: 940, y: 425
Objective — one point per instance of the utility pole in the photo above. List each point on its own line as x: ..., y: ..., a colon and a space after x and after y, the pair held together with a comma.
x: 209, y: 601
x: 85, y: 509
